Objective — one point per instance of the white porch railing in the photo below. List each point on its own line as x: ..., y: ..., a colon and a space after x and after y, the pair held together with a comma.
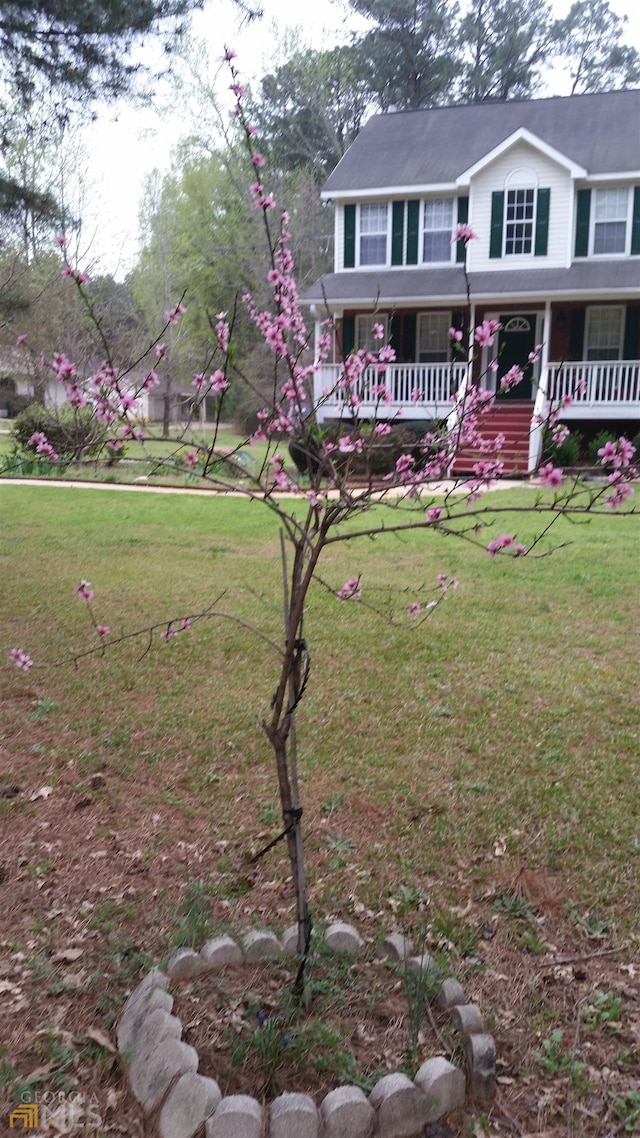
x: 424, y: 390
x: 607, y: 386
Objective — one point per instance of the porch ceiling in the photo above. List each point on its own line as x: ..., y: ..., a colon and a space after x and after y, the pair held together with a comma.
x: 583, y: 280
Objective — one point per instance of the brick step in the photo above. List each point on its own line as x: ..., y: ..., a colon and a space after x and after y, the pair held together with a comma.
x: 514, y: 422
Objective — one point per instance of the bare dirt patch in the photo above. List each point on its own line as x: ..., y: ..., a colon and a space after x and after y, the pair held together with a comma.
x: 106, y: 864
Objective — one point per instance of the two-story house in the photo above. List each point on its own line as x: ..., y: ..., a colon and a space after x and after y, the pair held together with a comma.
x: 551, y: 187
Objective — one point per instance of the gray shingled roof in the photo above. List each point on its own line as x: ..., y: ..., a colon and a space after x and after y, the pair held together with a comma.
x: 411, y: 286
x: 600, y: 132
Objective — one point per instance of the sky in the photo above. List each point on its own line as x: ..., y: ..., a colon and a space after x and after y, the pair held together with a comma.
x: 125, y: 144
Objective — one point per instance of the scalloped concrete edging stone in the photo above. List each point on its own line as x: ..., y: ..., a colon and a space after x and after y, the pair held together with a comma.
x: 180, y: 1103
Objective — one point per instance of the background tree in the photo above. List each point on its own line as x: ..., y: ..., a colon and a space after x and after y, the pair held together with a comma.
x: 505, y: 44
x: 409, y: 56
x: 311, y: 108
x: 590, y: 41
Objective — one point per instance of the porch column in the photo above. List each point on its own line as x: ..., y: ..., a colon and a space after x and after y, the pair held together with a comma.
x: 317, y: 331
x: 535, y: 434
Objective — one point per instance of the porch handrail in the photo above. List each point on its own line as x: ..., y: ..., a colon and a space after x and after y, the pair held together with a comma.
x: 594, y: 383
x: 392, y: 385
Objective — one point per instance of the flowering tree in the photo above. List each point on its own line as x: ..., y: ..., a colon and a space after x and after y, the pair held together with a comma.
x: 324, y: 506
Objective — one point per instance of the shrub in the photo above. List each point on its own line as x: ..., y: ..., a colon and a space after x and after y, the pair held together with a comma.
x: 17, y: 403
x: 597, y: 443
x: 73, y: 432
x: 568, y: 453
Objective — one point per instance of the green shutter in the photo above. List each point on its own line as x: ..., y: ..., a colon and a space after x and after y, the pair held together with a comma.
x: 497, y: 221
x: 413, y: 223
x: 542, y: 223
x: 635, y: 224
x: 409, y: 339
x: 348, y: 335
x: 463, y: 217
x: 576, y: 334
x: 349, y: 236
x: 583, y: 212
x: 397, y: 233
x: 632, y: 321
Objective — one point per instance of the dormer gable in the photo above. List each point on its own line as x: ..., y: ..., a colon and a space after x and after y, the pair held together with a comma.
x: 537, y: 144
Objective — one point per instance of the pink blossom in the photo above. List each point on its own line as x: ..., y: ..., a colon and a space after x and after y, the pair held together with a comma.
x: 218, y: 381
x: 378, y: 331
x: 434, y: 513
x: 257, y: 159
x: 84, y: 590
x: 152, y: 380
x: 621, y: 491
x: 520, y: 549
x: 464, y: 232
x: 21, y: 659
x: 351, y: 590
x: 62, y: 241
x: 414, y: 609
x: 551, y: 476
x: 442, y: 580
x: 455, y: 334
x: 198, y: 381
x: 229, y: 54
x: 559, y: 434
x: 511, y: 378
x: 102, y: 630
x: 160, y: 350
x: 21, y: 339
x: 186, y: 624
x: 381, y: 429
x: 238, y: 90
x: 191, y: 458
x: 485, y: 333
x: 566, y: 401
x: 581, y: 387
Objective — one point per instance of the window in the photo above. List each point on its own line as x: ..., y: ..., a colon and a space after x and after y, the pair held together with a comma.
x: 519, y: 221
x: 364, y: 338
x: 610, y: 217
x: 373, y: 234
x: 433, y: 337
x: 603, y: 339
x: 438, y: 227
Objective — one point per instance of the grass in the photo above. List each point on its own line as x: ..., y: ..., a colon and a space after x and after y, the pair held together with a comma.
x: 140, y: 459
x: 530, y: 659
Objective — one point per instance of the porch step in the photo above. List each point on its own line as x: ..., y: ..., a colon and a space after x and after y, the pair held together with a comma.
x: 511, y: 419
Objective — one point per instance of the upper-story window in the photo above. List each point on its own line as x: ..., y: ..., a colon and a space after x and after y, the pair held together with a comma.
x: 610, y: 221
x: 438, y: 227
x: 519, y: 219
x: 374, y: 223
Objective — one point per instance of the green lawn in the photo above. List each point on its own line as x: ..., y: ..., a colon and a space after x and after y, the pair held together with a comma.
x: 511, y: 713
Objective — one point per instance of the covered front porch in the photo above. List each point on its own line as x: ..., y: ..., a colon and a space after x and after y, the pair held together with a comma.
x: 583, y: 355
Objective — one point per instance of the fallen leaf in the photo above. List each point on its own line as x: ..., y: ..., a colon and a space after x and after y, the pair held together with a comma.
x: 44, y: 792
x: 100, y: 1038
x: 68, y: 955
x: 500, y: 847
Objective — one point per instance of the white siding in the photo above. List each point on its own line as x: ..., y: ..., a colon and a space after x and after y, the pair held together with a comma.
x: 499, y: 175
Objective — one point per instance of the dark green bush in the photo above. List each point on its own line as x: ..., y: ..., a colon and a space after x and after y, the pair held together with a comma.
x: 74, y: 432
x: 597, y: 443
x: 379, y: 454
x: 15, y: 404
x: 569, y: 453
